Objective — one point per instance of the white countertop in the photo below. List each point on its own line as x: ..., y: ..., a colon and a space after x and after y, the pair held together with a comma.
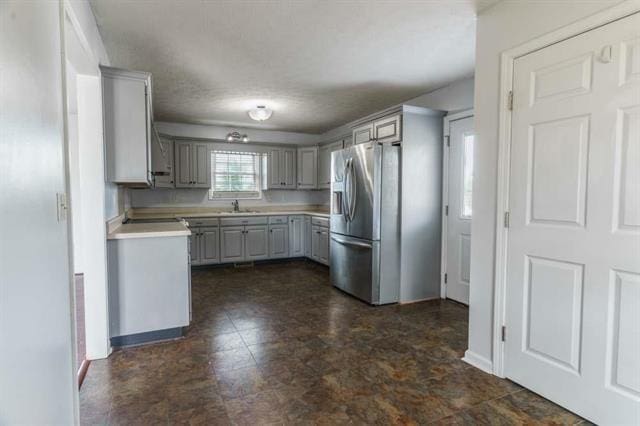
x: 149, y: 230
x: 226, y: 214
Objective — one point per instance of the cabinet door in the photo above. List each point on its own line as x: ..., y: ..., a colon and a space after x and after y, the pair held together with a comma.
x: 315, y: 243
x: 165, y: 152
x: 288, y: 168
x: 308, y: 168
x: 388, y: 129
x: 308, y: 236
x: 183, y: 154
x: 231, y: 244
x: 324, y: 166
x: 194, y: 246
x: 274, y: 180
x: 256, y: 242
x: 323, y: 246
x: 201, y: 166
x: 278, y: 241
x: 210, y: 245
x: 296, y: 236
x: 362, y: 134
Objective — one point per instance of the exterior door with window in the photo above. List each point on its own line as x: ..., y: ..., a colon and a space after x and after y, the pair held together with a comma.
x: 573, y: 255
x: 461, y: 144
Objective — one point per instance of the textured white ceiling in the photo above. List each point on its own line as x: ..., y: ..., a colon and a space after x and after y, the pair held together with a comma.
x: 317, y: 64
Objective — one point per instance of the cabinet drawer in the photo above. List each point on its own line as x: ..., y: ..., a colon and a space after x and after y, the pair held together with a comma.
x: 278, y: 219
x: 320, y: 221
x: 196, y: 221
x: 239, y: 221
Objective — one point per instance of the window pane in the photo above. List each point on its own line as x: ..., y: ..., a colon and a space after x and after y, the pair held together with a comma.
x: 467, y: 175
x: 233, y: 173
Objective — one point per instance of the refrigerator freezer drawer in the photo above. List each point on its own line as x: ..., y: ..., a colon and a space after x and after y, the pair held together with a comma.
x: 354, y: 267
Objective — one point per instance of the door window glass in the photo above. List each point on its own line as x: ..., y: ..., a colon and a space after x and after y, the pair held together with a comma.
x: 467, y: 175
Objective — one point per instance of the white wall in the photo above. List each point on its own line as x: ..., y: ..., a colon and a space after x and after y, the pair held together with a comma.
x: 503, y: 26
x: 37, y: 369
x: 456, y: 96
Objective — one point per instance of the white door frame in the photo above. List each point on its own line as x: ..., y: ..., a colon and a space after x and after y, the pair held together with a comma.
x: 447, y: 120
x: 507, y: 60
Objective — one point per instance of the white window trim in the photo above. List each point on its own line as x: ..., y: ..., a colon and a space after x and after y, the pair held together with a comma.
x: 236, y: 195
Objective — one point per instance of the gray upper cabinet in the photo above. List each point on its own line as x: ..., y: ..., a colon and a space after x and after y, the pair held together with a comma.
x: 386, y: 129
x: 324, y: 163
x: 278, y: 241
x: 192, y: 165
x: 128, y: 126
x: 163, y: 160
x: 308, y: 168
x: 362, y: 134
x: 279, y: 167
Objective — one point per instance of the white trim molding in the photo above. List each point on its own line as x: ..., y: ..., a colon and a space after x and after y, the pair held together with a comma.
x: 507, y: 60
x: 478, y: 361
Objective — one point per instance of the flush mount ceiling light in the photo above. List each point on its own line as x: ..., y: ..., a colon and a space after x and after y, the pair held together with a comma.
x: 237, y: 137
x: 260, y: 113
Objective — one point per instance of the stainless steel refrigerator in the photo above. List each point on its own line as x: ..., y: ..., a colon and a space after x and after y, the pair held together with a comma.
x: 365, y: 222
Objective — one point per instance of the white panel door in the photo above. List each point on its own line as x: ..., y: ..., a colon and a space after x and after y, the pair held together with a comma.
x: 308, y: 237
x: 194, y: 244
x: 232, y: 243
x: 573, y: 265
x: 256, y: 242
x: 461, y: 144
x: 288, y: 168
x: 201, y: 165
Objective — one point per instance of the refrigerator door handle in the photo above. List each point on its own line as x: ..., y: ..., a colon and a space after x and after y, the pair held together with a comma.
x: 354, y: 190
x: 346, y: 202
x: 351, y: 243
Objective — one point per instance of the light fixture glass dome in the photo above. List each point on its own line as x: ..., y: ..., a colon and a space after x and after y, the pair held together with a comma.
x: 260, y: 113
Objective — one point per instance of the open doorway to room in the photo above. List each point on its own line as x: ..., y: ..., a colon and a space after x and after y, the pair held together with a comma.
x: 86, y: 197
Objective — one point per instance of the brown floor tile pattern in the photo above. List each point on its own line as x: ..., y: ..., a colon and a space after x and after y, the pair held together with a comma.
x: 276, y: 344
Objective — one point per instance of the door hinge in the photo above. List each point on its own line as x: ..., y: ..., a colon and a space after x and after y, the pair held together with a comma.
x: 445, y: 278
x: 446, y: 210
x: 510, y: 101
x: 448, y: 140
x: 506, y: 219
x: 503, y: 336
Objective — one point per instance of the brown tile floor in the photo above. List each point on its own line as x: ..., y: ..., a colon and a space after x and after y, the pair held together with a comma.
x: 276, y: 344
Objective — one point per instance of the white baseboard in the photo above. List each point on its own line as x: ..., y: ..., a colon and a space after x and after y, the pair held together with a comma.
x: 478, y: 361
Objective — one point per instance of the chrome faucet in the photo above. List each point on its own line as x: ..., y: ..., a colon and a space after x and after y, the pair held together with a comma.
x: 236, y: 206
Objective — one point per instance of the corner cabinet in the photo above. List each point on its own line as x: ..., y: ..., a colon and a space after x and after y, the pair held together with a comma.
x: 279, y: 169
x: 192, y: 165
x: 163, y: 160
x: 308, y: 168
x: 324, y: 163
x: 386, y: 129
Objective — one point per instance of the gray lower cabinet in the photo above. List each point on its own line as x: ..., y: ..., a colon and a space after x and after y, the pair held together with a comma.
x: 256, y: 242
x: 320, y: 244
x: 194, y: 246
x: 232, y: 244
x: 307, y: 236
x: 296, y: 236
x: 209, y: 245
x: 278, y: 241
